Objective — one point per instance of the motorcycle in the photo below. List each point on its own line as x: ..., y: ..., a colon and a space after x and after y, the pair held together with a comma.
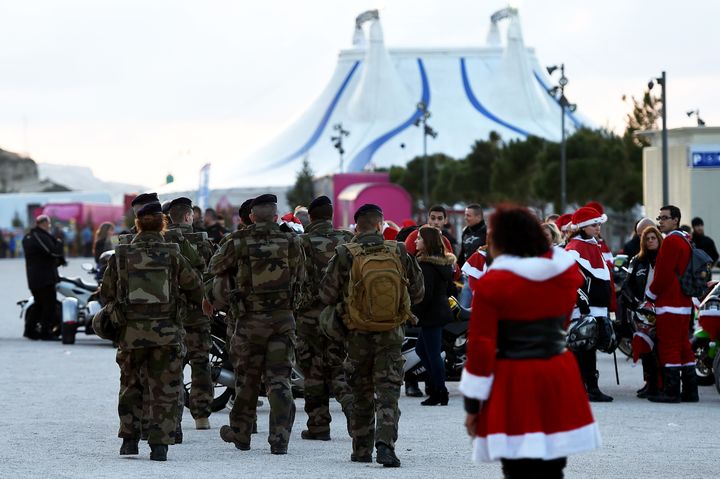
x: 78, y: 301
x: 705, y: 347
x: 222, y: 373
x: 626, y: 320
x: 453, y: 352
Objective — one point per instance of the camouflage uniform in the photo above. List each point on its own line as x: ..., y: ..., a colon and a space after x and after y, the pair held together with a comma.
x: 197, y: 326
x: 319, y: 357
x: 374, y: 367
x: 149, y: 347
x: 266, y: 264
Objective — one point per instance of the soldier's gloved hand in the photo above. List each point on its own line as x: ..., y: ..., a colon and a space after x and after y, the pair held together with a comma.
x: 207, y: 307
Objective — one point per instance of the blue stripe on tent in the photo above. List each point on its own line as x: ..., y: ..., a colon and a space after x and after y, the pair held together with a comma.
x: 479, y: 106
x: 361, y: 160
x: 546, y: 87
x: 321, y: 126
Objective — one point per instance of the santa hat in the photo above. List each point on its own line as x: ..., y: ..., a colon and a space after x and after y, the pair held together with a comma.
x: 596, y: 206
x: 563, y: 222
x: 292, y: 222
x: 587, y: 216
x: 389, y: 233
x: 641, y: 344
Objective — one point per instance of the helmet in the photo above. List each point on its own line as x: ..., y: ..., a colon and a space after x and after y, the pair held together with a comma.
x: 582, y: 334
x: 606, y: 340
x: 458, y: 312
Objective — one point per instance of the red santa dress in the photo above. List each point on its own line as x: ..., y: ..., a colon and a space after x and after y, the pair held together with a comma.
x: 534, y: 407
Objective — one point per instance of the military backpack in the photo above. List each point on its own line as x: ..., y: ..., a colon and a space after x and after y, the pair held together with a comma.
x: 319, y: 248
x: 377, y: 291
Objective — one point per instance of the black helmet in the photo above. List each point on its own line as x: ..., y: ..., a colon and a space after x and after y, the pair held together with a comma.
x: 606, y: 341
x: 582, y: 334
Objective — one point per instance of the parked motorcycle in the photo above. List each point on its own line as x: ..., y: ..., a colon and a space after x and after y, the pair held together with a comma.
x: 626, y: 320
x: 706, y: 348
x: 77, y: 303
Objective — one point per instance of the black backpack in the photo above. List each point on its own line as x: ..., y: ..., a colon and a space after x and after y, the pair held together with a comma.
x: 693, y: 281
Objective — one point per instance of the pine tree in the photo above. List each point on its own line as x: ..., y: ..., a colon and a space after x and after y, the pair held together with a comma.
x: 304, y: 190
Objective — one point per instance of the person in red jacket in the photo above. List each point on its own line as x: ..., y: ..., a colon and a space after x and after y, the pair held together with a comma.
x: 673, y: 311
x: 476, y: 266
x: 524, y: 398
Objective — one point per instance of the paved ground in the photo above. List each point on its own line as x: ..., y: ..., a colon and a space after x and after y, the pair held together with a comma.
x: 59, y: 420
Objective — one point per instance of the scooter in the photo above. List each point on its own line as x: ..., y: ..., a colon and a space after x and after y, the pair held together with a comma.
x: 77, y: 303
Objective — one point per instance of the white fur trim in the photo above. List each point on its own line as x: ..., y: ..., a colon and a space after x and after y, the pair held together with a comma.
x: 597, y: 311
x: 696, y: 302
x: 594, y: 221
x: 650, y: 294
x: 608, y: 257
x: 536, y: 268
x: 600, y: 273
x: 475, y: 387
x: 536, y: 445
x: 709, y: 312
x: 472, y: 271
x: 673, y: 310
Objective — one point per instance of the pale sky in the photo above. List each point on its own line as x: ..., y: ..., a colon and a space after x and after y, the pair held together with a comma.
x: 138, y: 88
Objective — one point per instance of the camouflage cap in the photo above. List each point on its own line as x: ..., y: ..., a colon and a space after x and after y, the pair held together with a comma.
x: 144, y: 199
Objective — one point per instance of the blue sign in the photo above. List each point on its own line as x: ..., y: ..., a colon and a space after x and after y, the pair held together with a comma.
x: 705, y: 159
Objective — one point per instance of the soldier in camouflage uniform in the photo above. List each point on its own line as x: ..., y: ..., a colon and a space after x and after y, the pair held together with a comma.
x: 266, y: 264
x: 196, y: 248
x: 319, y: 357
x: 374, y: 366
x: 145, y: 280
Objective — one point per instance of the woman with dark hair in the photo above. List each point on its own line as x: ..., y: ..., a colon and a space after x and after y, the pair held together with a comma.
x: 596, y: 290
x: 103, y: 239
x: 433, y: 312
x: 524, y: 398
x: 640, y: 274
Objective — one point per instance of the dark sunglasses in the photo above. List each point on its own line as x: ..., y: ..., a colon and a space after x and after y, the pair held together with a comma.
x: 663, y: 218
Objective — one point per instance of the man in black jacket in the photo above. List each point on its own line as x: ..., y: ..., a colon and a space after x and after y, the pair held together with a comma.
x: 703, y: 242
x: 43, y: 255
x: 475, y: 233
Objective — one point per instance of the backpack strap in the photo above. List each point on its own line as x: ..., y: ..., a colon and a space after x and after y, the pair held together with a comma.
x: 121, y: 263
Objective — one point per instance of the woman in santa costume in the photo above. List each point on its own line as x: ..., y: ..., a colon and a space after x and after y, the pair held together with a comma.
x: 524, y: 398
x: 596, y: 291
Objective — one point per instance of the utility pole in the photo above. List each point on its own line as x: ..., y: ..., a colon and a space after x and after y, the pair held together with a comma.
x: 427, y: 130
x: 564, y: 105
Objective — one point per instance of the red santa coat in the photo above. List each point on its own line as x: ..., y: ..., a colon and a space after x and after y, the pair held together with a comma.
x: 534, y: 408
x: 672, y: 261
x: 588, y: 254
x: 475, y: 267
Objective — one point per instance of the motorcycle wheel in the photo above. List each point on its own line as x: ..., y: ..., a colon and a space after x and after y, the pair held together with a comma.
x: 703, y: 368
x: 716, y: 372
x: 68, y: 331
x: 222, y: 394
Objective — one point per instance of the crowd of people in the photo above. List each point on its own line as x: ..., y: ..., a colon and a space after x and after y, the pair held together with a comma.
x: 336, y: 302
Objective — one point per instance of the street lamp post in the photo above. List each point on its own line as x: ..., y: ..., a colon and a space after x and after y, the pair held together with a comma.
x: 662, y: 81
x: 427, y: 130
x: 338, y: 141
x: 564, y: 105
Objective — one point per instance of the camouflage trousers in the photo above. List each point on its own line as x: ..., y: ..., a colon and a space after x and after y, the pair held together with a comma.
x: 198, y: 343
x: 150, y: 380
x: 374, y: 371
x: 321, y: 362
x: 258, y: 349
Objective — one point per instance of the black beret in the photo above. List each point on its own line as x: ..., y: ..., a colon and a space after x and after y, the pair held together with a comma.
x: 182, y: 201
x: 365, y: 209
x: 166, y: 207
x: 262, y: 199
x: 319, y: 201
x: 145, y: 198
x: 149, y: 209
x: 245, y: 207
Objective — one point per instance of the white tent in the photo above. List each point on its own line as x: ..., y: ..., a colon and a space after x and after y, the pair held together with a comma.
x: 375, y: 93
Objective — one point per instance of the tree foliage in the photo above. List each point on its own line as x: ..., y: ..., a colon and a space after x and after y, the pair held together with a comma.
x: 303, y: 192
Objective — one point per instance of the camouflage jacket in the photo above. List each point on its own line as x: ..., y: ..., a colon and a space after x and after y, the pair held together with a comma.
x: 192, y: 253
x: 333, y: 287
x: 152, y: 323
x: 267, y: 265
x: 319, y: 243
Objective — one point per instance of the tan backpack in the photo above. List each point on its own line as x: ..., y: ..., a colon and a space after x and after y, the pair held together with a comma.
x: 377, y: 294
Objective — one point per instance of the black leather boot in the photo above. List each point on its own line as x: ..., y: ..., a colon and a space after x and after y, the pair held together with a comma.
x: 671, y: 390
x: 437, y: 398
x: 412, y: 390
x: 689, y: 385
x: 650, y: 373
x: 593, y: 391
x: 129, y: 447
x: 158, y: 452
x: 386, y: 456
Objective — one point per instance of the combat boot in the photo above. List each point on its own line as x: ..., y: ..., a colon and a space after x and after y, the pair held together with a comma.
x: 178, y: 435
x: 129, y: 447
x: 689, y: 385
x: 315, y: 436
x: 158, y: 452
x: 386, y: 456
x: 228, y: 435
x: 593, y: 391
x: 671, y: 390
x: 278, y: 449
x: 361, y: 458
x: 202, y: 423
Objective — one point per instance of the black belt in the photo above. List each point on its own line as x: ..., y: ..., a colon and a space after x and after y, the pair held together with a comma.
x: 537, y: 339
